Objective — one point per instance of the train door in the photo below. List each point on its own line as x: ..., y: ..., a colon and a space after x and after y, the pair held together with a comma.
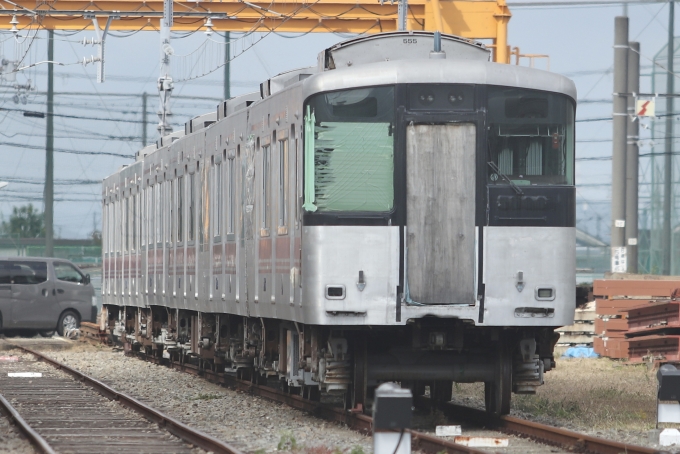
x: 440, y: 242
x: 248, y: 193
x: 264, y: 232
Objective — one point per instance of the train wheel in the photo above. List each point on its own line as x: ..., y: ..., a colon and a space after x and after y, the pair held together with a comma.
x: 443, y: 392
x: 497, y: 393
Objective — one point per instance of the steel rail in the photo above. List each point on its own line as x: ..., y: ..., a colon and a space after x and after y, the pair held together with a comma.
x: 545, y: 434
x: 175, y: 427
x: 34, y: 437
x: 541, y: 433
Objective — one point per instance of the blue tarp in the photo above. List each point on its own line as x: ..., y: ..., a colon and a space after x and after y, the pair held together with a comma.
x: 580, y: 352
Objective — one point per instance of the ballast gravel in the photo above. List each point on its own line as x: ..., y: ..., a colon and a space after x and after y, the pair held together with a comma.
x: 11, y: 441
x: 249, y: 423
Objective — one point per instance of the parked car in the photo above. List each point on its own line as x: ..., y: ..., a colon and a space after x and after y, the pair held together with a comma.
x: 44, y: 294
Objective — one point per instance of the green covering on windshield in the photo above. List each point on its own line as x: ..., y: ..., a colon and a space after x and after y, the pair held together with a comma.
x: 353, y: 167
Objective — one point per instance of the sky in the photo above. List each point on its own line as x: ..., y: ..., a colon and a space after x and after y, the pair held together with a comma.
x: 578, y: 39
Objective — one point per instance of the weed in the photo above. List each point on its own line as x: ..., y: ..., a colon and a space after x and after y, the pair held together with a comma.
x: 357, y: 450
x: 207, y: 397
x: 287, y: 442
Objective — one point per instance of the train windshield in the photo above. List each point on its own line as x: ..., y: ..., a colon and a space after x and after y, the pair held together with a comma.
x: 531, y: 137
x: 349, y: 151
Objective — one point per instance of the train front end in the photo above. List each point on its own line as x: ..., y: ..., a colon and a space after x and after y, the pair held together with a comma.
x: 439, y: 210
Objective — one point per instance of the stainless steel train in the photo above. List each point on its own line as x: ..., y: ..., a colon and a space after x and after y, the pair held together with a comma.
x: 403, y: 211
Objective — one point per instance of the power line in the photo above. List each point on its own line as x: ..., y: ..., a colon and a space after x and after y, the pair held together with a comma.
x: 40, y: 181
x: 63, y: 150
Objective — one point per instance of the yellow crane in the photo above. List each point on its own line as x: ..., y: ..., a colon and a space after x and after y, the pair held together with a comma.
x: 474, y: 19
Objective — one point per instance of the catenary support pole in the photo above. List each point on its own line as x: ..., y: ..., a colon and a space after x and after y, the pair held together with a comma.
x: 227, y: 69
x: 632, y: 152
x: 49, y: 151
x: 668, y: 157
x: 144, y: 138
x: 618, y: 249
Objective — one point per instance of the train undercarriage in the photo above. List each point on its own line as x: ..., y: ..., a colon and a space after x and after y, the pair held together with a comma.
x: 344, y: 364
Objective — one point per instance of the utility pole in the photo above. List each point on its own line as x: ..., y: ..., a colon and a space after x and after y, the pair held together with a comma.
x: 632, y: 156
x: 668, y: 161
x: 144, y: 95
x: 620, y: 101
x: 49, y: 151
x: 227, y: 69
x: 165, y: 84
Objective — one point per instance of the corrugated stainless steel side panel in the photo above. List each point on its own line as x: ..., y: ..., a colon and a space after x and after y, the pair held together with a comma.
x: 440, y: 204
x: 546, y: 258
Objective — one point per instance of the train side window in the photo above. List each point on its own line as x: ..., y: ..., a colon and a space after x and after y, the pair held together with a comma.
x: 133, y: 224
x: 158, y: 220
x: 283, y: 186
x: 125, y: 223
x: 149, y: 215
x: 112, y: 228
x: 266, y: 189
x: 298, y: 187
x: 180, y: 209
x: 172, y: 208
x: 204, y: 207
x: 230, y: 195
x: 192, y: 205
x: 217, y: 200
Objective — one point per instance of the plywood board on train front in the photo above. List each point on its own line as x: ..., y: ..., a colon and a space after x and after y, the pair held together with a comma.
x: 440, y: 198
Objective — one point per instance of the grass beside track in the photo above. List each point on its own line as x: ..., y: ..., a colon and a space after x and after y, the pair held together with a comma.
x: 587, y: 394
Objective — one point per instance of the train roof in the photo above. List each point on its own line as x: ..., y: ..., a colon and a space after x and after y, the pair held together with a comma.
x: 385, y: 59
x: 437, y: 71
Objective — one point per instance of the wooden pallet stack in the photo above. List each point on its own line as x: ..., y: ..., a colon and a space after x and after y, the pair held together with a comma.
x: 633, y: 316
x: 582, y: 332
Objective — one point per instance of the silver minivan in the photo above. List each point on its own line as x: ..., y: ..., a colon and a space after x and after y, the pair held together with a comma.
x: 44, y: 294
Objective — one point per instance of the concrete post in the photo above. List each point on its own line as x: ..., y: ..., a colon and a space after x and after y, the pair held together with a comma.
x: 632, y: 152
x: 49, y: 151
x: 668, y: 152
x: 618, y: 249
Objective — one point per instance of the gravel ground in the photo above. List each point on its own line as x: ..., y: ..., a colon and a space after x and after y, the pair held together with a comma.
x: 249, y: 423
x: 11, y: 441
x: 599, y: 397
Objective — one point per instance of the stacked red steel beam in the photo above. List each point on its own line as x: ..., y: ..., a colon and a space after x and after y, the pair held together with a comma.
x: 635, y: 319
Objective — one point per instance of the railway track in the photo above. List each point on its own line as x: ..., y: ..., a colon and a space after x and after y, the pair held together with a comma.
x: 62, y: 410
x: 541, y: 433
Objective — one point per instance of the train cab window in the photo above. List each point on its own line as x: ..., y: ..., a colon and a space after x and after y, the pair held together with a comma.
x: 349, y: 151
x: 283, y: 184
x: 531, y: 137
